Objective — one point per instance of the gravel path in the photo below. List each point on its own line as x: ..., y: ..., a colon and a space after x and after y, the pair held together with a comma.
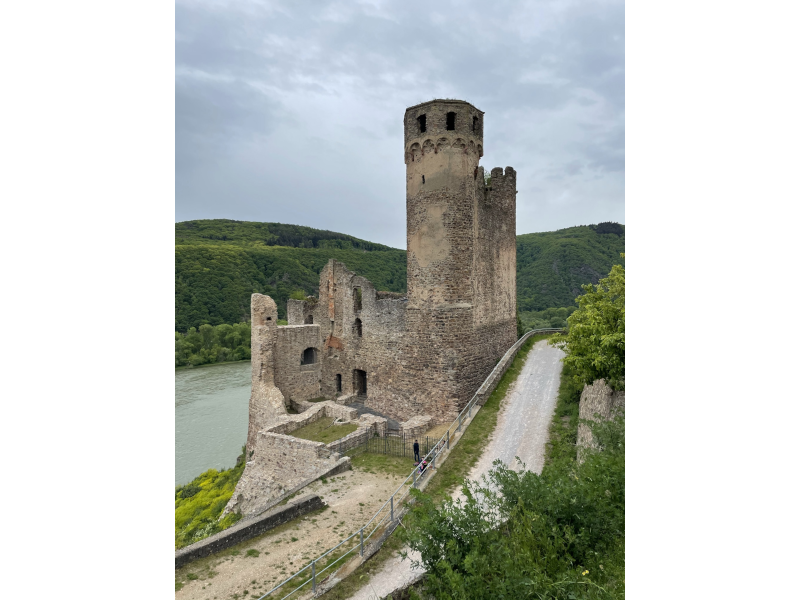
x: 521, y: 431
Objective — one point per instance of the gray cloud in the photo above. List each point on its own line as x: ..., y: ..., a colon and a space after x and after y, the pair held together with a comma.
x: 292, y: 111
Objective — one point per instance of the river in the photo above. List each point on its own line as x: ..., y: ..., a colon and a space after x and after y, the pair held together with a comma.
x: 211, y: 411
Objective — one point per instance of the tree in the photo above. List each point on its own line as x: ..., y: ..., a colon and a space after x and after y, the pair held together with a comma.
x: 595, y: 341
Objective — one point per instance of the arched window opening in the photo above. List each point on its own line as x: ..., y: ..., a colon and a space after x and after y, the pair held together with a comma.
x: 309, y: 356
x: 357, y: 299
x: 474, y: 123
x: 357, y: 328
x: 421, y: 120
x: 310, y: 320
x: 338, y: 382
x: 451, y: 121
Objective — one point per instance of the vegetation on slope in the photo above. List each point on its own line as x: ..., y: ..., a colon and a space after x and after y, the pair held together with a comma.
x: 595, y: 342
x: 214, y: 280
x: 521, y: 535
x: 199, y: 503
x: 552, y: 267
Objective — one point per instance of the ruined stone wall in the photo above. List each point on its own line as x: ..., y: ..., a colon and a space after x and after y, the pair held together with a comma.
x: 279, y: 463
x: 598, y: 402
x: 378, y: 348
x: 266, y: 400
x: 297, y: 381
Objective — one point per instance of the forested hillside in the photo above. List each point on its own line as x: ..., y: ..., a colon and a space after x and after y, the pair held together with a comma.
x: 552, y: 267
x: 220, y: 263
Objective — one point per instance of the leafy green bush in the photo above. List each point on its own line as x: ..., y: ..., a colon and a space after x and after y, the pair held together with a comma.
x: 595, y: 342
x: 520, y: 535
x: 199, y: 503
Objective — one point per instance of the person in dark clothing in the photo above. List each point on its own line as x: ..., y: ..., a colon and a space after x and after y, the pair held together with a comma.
x: 416, y: 451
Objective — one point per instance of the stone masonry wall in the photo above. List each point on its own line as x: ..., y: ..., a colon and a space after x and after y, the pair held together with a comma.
x: 278, y: 463
x: 266, y: 400
x: 600, y: 400
x: 293, y: 379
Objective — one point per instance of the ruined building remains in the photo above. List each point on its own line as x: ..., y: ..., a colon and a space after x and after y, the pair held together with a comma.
x: 405, y: 356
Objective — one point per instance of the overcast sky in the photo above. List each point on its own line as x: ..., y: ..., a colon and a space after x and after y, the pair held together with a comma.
x: 292, y: 112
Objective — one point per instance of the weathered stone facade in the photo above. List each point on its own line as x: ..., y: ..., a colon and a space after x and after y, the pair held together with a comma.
x: 598, y: 402
x: 405, y: 356
x: 428, y: 352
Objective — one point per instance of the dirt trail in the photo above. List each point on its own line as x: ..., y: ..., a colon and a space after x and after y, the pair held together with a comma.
x: 352, y: 498
x: 522, y: 430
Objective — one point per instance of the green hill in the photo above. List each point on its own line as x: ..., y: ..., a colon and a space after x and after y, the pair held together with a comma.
x: 219, y: 263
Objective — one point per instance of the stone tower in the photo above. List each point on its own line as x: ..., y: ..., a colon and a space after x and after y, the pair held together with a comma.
x: 461, y: 257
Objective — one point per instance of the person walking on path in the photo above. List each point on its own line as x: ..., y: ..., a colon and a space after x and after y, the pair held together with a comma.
x: 416, y: 451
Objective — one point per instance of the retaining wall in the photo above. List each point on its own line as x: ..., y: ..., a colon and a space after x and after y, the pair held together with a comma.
x: 247, y: 529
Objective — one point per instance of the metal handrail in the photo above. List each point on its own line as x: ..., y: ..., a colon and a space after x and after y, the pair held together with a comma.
x: 436, y: 450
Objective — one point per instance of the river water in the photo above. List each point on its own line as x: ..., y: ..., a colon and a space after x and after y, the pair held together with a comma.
x: 211, y: 412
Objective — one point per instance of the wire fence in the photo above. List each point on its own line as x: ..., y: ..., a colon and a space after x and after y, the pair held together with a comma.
x: 307, y: 577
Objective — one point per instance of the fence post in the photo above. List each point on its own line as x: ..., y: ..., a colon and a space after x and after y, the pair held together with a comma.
x: 313, y: 576
x: 391, y: 505
x: 448, y: 438
x: 362, y: 541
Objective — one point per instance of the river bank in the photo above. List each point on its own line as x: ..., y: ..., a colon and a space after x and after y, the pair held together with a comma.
x: 211, y: 413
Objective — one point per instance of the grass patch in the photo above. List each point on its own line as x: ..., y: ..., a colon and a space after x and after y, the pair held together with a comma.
x: 324, y: 431
x: 199, y: 503
x: 383, y: 463
x: 564, y: 427
x: 463, y: 457
x: 252, y: 552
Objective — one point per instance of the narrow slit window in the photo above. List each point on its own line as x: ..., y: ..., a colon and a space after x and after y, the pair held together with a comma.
x: 474, y: 123
x: 357, y: 299
x: 422, y: 126
x: 451, y: 121
x: 423, y: 179
x: 357, y: 328
x: 339, y: 382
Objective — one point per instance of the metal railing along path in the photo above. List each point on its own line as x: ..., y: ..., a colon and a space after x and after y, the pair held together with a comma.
x: 387, y: 512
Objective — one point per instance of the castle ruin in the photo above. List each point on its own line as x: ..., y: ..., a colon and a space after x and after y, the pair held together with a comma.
x: 425, y: 353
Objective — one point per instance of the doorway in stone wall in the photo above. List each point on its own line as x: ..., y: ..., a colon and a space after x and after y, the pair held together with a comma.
x: 360, y: 382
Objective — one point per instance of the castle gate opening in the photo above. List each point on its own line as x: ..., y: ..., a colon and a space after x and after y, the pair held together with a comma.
x: 360, y: 382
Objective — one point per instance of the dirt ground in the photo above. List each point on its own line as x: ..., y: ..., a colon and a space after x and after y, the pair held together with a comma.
x: 352, y: 498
